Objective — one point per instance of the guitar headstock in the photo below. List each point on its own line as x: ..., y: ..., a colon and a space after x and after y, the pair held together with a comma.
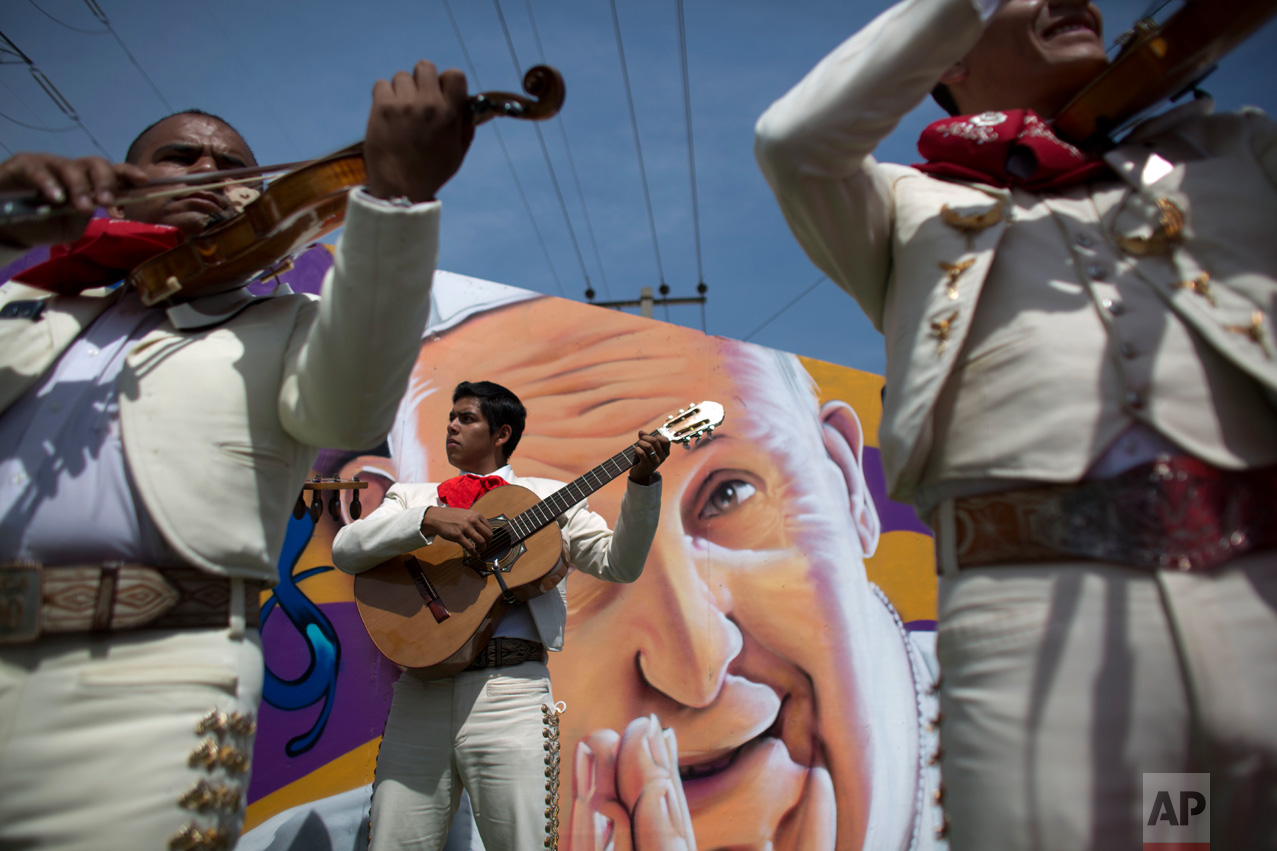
x: 695, y: 422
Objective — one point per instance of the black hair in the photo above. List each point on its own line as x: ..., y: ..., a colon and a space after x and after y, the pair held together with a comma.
x: 499, y: 407
x: 941, y: 95
x: 135, y: 148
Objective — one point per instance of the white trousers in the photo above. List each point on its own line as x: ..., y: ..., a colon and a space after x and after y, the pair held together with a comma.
x: 1064, y: 683
x: 100, y: 738
x: 481, y: 730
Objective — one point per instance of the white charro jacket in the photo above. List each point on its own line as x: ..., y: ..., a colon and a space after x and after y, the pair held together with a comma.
x: 221, y: 425
x: 878, y: 231
x: 614, y: 555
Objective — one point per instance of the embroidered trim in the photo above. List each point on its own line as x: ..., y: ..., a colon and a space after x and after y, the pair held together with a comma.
x: 1168, y: 233
x: 977, y: 130
x: 550, y: 717
x: 223, y: 802
x: 941, y: 329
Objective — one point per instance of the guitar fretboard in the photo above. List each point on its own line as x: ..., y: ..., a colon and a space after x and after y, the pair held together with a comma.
x: 547, y: 510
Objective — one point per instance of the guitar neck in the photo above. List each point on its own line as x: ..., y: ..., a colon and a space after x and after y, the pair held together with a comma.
x: 548, y: 510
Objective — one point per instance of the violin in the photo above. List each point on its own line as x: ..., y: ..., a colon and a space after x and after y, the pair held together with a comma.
x: 300, y: 207
x: 1158, y: 62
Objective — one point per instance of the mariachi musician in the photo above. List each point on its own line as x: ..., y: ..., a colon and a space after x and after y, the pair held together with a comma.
x: 484, y: 727
x: 151, y: 455
x: 1081, y: 386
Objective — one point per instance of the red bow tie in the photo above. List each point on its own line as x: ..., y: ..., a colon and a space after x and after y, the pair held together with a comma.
x: 462, y: 491
x: 109, y: 250
x: 1012, y: 147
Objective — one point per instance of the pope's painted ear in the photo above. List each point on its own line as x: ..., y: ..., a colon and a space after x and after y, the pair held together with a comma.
x: 956, y: 73
x: 379, y: 472
x: 844, y: 442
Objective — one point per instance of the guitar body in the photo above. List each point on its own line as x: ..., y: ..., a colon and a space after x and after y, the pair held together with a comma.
x: 431, y: 609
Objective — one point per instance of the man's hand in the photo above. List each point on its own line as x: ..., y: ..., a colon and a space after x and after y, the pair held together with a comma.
x: 653, y: 449
x: 627, y: 794
x: 418, y: 133
x: 82, y: 185
x: 463, y: 526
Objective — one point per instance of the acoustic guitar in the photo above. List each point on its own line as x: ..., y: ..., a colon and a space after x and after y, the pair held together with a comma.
x: 435, y: 608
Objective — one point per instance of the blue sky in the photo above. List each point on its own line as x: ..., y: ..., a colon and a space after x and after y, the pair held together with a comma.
x: 295, y: 77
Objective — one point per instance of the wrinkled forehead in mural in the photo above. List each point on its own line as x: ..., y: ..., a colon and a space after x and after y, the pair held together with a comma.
x: 753, y: 632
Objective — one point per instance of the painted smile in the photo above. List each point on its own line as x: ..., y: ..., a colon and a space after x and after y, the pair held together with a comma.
x: 764, y: 769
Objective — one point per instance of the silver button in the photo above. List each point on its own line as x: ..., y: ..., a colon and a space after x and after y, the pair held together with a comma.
x: 1083, y: 240
x: 1116, y: 308
x: 92, y: 352
x: 1134, y: 399
x: 1127, y: 350
x: 1097, y: 272
x: 19, y: 478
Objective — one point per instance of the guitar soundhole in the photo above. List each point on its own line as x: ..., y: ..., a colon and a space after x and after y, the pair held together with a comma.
x: 501, y: 554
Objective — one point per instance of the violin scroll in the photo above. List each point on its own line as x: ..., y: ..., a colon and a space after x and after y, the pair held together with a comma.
x: 543, y: 83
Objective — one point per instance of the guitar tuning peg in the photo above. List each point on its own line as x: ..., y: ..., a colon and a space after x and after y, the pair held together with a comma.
x: 356, y: 507
x: 299, y: 510
x: 334, y: 506
x: 316, y: 507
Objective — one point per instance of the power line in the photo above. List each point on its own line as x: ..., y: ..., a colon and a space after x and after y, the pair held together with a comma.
x: 691, y: 157
x: 70, y: 128
x: 38, y: 129
x: 545, y: 152
x: 101, y: 16
x: 629, y: 100
x: 59, y: 100
x: 62, y: 23
x: 561, y: 123
x: 796, y: 299
x: 508, y: 161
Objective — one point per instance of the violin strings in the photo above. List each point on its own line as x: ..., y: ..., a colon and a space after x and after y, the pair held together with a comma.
x: 185, y: 190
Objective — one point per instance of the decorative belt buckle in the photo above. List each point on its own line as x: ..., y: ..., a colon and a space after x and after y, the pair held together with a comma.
x: 21, y: 590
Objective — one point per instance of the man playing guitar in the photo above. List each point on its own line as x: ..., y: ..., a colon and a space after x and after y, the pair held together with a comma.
x: 484, y: 729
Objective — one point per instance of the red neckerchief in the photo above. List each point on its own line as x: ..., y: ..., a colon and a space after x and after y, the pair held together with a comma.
x: 1014, y: 147
x: 462, y: 491
x: 109, y: 250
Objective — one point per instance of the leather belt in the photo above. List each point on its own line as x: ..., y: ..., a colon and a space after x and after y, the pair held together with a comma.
x: 503, y: 651
x: 37, y: 599
x: 1175, y: 512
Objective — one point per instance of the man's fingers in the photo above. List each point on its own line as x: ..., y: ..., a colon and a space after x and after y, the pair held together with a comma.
x: 649, y: 786
x: 453, y: 84
x: 403, y: 84
x: 103, y: 177
x: 425, y: 76
x: 74, y: 177
x: 657, y: 825
x: 130, y: 174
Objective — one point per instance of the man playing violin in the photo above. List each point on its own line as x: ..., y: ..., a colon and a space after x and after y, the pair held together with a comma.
x: 1080, y: 400
x: 485, y: 729
x: 150, y: 458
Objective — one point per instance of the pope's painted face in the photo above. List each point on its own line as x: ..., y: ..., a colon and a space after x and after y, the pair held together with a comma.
x: 739, y: 634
